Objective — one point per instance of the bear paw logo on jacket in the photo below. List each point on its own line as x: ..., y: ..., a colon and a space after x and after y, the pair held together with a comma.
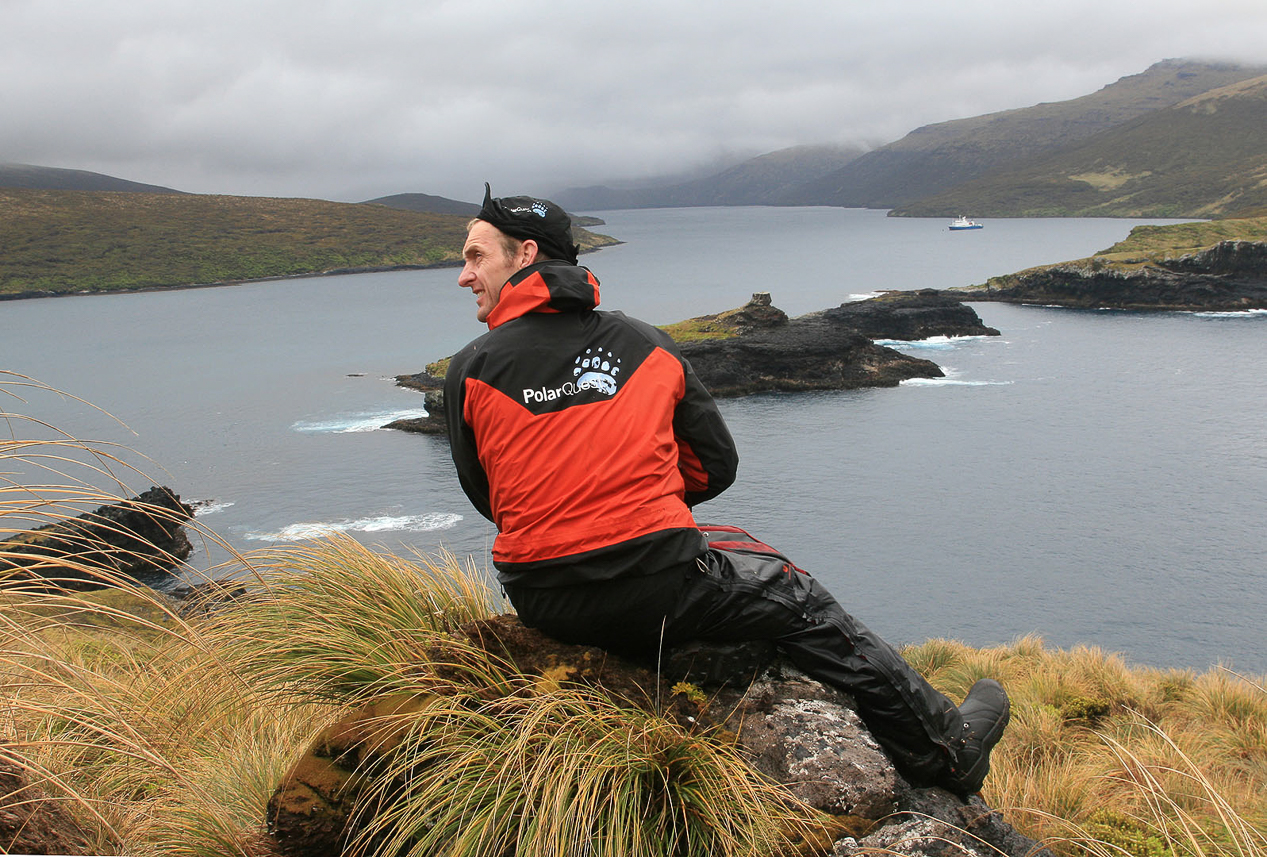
x: 597, y: 370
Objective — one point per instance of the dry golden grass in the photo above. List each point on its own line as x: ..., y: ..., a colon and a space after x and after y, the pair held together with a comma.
x: 1110, y: 758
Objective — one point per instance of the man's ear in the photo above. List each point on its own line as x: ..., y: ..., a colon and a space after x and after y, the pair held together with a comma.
x: 528, y: 252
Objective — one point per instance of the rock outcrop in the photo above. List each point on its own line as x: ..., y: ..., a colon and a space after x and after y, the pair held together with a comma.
x: 139, y: 537
x: 31, y: 822
x: 810, y: 352
x: 432, y: 400
x: 757, y: 348
x: 908, y: 316
x: 1230, y: 276
x: 793, y: 729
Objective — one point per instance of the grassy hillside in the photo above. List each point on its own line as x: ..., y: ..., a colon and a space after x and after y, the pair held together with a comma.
x: 935, y: 158
x: 1210, y: 265
x: 1150, y: 245
x: 1204, y: 157
x: 1157, y: 243
x: 58, y: 242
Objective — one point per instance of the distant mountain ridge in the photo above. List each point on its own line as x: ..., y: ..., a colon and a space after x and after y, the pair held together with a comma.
x: 426, y: 203
x: 763, y: 180
x: 934, y: 158
x: 56, y: 178
x: 1203, y: 157
x: 1001, y: 164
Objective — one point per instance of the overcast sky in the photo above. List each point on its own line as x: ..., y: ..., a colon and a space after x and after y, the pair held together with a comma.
x: 351, y: 99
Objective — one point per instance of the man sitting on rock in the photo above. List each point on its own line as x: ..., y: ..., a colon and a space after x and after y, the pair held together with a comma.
x: 586, y: 438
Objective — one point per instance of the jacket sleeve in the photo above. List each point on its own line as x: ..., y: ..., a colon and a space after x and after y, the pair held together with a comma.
x: 471, y: 473
x: 707, y: 456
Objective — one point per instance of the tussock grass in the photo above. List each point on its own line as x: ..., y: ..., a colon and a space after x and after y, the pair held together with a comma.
x: 113, y: 702
x: 337, y: 622
x: 567, y: 772
x: 1155, y: 243
x: 1120, y: 760
x: 492, y: 761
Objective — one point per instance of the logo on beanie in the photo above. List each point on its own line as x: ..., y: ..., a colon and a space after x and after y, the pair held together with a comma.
x: 539, y: 209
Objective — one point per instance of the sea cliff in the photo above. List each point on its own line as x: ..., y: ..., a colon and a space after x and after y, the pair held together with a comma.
x: 1229, y: 276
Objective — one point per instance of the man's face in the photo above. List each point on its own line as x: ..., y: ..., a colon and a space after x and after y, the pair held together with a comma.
x: 488, y: 267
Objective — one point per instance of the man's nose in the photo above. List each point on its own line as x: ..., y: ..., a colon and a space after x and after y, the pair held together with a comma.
x: 467, y: 277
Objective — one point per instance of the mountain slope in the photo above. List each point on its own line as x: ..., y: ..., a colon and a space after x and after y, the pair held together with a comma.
x: 763, y: 180
x: 56, y: 178
x: 1203, y: 157
x: 937, y: 157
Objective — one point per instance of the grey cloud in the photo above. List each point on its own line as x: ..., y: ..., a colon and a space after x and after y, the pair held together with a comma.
x: 344, y: 99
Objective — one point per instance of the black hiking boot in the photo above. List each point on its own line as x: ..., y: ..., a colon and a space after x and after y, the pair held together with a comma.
x: 985, y: 713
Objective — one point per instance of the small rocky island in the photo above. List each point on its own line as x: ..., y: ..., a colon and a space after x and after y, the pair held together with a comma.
x: 757, y: 348
x: 141, y: 538
x: 1229, y: 276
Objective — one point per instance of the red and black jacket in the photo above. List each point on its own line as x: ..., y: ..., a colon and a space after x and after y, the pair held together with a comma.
x: 583, y: 435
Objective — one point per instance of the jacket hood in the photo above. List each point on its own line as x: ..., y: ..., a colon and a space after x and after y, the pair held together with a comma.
x: 550, y: 286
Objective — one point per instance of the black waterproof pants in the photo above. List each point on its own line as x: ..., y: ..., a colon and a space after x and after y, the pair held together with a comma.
x: 732, y: 597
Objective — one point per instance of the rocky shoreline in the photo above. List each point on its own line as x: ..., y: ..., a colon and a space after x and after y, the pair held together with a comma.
x: 757, y: 348
x: 1230, y: 276
x: 136, y: 538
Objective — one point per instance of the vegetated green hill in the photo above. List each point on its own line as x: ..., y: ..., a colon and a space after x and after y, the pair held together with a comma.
x: 1204, y: 157
x: 935, y: 158
x: 426, y: 202
x: 1168, y: 246
x: 1159, y: 243
x: 59, y: 242
x: 56, y: 178
x: 763, y: 180
x: 1212, y: 266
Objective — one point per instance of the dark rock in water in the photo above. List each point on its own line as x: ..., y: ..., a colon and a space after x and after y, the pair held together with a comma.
x: 432, y: 389
x: 810, y: 352
x: 423, y: 381
x: 795, y: 730
x: 909, y: 316
x: 1230, y: 276
x: 757, y: 348
x: 137, y: 537
x: 432, y: 423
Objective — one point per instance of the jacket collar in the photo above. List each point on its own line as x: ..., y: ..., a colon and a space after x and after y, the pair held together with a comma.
x: 551, y: 286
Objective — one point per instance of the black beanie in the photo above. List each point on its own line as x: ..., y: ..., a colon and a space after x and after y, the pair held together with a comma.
x: 525, y: 217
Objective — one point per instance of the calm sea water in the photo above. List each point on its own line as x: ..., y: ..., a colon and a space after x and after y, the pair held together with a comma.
x: 1090, y: 477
